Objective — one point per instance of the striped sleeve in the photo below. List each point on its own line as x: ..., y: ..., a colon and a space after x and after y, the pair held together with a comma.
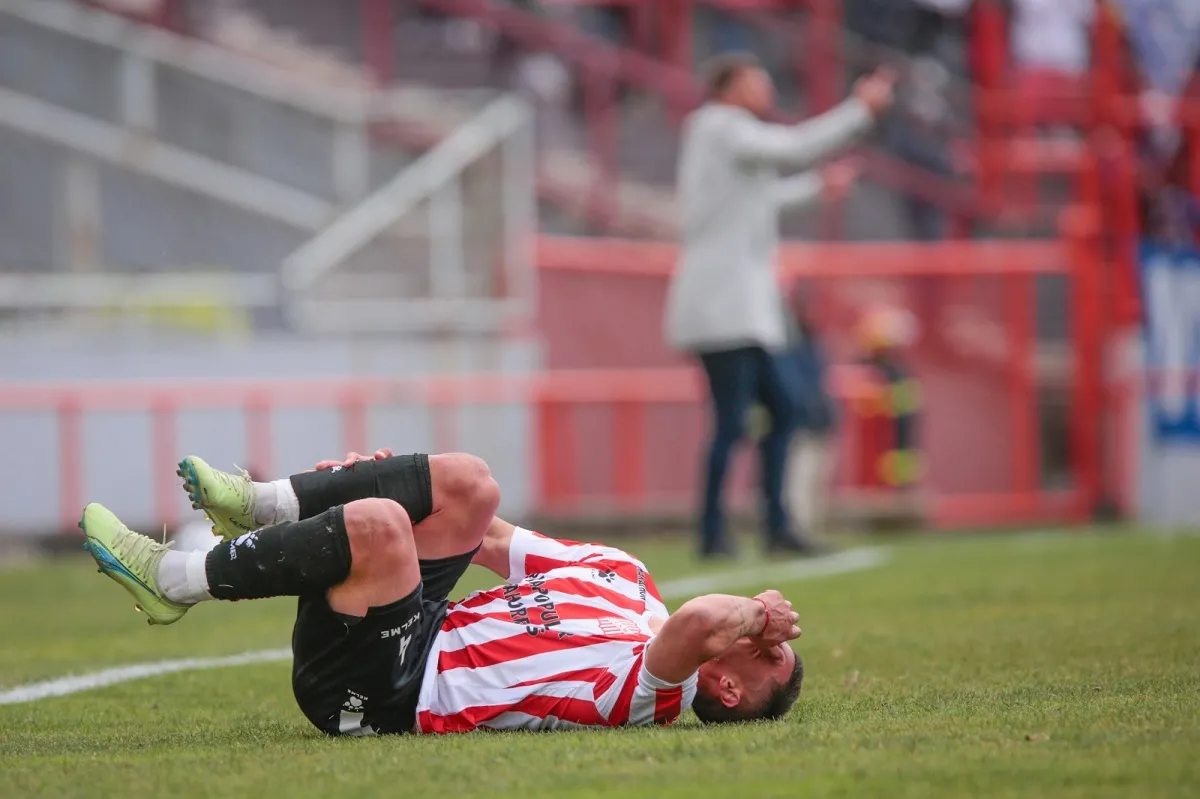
x: 534, y: 553
x: 644, y: 700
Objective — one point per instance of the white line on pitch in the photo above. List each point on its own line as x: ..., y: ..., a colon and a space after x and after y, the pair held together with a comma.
x: 841, y: 563
x: 138, y: 671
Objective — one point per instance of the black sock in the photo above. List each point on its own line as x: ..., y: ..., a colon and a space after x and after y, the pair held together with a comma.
x: 404, y: 479
x: 289, y: 559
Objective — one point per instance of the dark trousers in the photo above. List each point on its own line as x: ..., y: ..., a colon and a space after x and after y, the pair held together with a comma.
x: 736, y: 379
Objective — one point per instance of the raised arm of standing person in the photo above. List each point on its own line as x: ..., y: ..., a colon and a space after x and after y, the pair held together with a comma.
x: 797, y: 192
x: 754, y: 141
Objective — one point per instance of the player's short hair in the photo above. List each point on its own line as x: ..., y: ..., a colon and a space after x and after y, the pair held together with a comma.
x: 711, y: 710
x: 720, y: 71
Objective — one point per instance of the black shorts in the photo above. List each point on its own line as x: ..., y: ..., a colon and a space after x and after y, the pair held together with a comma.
x: 355, y: 676
x: 362, y: 676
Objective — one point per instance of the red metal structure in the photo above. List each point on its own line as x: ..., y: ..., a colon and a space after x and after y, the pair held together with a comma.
x: 602, y: 301
x: 626, y: 440
x: 613, y: 390
x: 603, y: 69
x: 1009, y: 103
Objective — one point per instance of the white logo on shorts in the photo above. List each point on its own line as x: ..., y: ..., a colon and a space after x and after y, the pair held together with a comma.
x: 354, y: 702
x: 350, y: 722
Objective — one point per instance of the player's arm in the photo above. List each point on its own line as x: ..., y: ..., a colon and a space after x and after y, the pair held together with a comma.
x: 707, y: 626
x: 495, y: 552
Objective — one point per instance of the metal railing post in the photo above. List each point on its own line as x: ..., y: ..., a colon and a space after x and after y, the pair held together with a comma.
x: 447, y: 266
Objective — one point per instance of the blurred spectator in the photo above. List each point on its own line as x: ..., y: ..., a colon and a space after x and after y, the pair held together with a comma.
x: 885, y: 334
x: 1050, y: 46
x: 810, y: 457
x: 918, y: 134
x: 1169, y: 206
x: 930, y: 20
x: 1160, y: 133
x: 611, y: 21
x: 542, y: 79
x: 913, y: 26
x: 724, y: 305
x: 1169, y: 210
x: 546, y: 83
x: 723, y: 32
x: 1052, y: 35
x: 883, y: 22
x: 731, y: 35
x: 1182, y: 211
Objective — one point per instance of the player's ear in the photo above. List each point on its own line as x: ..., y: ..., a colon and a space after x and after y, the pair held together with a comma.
x: 729, y: 691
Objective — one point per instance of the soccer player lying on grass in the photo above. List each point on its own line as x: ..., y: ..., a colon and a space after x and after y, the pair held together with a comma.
x: 578, y: 637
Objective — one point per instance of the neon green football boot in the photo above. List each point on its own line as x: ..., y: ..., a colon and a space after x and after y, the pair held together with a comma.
x: 130, y: 559
x: 226, y: 499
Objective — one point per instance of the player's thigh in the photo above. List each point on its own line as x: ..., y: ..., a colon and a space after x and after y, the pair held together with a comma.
x: 439, y: 576
x: 383, y: 557
x: 465, y: 499
x: 356, y: 676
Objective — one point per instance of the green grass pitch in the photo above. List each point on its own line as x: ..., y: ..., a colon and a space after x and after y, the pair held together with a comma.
x: 1055, y: 665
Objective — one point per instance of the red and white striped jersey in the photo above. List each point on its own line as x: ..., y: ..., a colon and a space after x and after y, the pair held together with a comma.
x: 562, y: 645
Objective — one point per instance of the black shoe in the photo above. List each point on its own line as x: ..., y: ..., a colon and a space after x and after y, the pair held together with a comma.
x: 795, y: 545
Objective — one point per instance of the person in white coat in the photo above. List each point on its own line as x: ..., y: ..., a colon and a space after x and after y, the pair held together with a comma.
x: 725, y: 305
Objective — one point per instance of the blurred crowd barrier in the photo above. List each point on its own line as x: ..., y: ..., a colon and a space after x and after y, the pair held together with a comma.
x: 613, y: 423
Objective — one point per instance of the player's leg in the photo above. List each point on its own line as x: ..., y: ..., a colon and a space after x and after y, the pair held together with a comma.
x: 366, y: 678
x: 454, y: 497
x: 358, y: 556
x: 450, y: 498
x: 359, y: 649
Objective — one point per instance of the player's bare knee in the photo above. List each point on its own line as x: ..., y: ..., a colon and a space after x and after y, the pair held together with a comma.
x: 485, y: 499
x: 380, y: 532
x: 464, y: 481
